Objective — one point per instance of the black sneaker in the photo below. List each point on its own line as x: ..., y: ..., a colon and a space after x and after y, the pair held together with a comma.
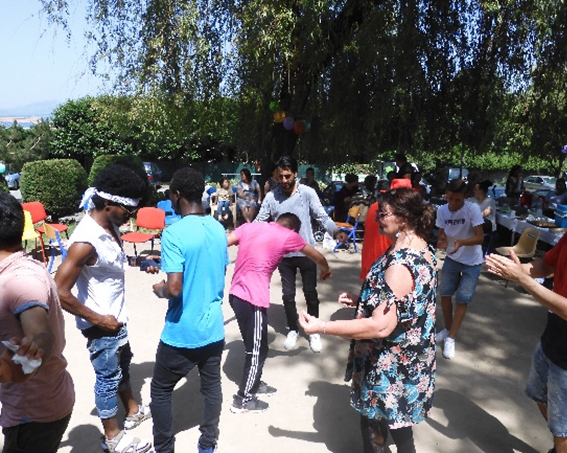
x: 252, y: 405
x: 265, y: 389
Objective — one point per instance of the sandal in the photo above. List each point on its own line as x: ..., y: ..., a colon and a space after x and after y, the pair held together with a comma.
x: 132, y: 421
x: 124, y: 443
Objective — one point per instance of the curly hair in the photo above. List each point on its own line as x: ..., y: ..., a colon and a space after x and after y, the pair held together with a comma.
x: 120, y: 180
x: 409, y: 205
x: 11, y: 220
x: 189, y: 183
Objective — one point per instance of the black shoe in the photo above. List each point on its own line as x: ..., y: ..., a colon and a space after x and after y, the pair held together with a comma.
x: 251, y: 405
x: 265, y: 389
x: 552, y: 450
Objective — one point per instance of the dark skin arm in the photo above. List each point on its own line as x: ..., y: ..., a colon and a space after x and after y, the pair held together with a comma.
x: 171, y: 288
x: 37, y: 343
x: 79, y: 256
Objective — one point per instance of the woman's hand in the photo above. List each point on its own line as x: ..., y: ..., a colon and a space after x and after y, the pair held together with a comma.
x: 348, y: 299
x: 310, y: 324
x: 507, y: 268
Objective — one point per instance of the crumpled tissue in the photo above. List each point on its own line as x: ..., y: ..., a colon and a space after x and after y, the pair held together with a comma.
x: 28, y: 366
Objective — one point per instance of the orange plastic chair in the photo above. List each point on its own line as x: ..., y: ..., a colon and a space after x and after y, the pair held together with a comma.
x: 149, y: 219
x: 37, y: 211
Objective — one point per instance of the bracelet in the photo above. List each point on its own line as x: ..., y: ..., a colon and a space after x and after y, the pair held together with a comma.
x: 324, y: 327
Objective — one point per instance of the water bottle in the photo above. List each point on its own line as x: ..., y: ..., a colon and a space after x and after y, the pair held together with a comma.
x: 537, y: 206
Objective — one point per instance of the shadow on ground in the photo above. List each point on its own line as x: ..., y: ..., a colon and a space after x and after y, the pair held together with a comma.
x: 334, y: 421
x: 468, y: 420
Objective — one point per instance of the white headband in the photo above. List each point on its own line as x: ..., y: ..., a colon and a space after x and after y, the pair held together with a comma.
x: 87, y: 202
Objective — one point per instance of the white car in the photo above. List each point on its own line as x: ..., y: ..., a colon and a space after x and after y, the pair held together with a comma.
x: 536, y: 182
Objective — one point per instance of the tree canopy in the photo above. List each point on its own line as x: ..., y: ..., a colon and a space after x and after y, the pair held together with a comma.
x: 366, y: 77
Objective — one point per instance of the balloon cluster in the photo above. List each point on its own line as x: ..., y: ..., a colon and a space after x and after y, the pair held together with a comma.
x: 289, y: 123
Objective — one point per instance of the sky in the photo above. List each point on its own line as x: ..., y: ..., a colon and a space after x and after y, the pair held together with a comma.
x: 38, y: 63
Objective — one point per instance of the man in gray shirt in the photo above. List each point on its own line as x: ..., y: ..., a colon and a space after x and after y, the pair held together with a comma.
x: 301, y: 200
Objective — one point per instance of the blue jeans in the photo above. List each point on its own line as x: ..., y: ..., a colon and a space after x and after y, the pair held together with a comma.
x: 459, y: 278
x: 547, y: 384
x: 173, y: 364
x: 110, y: 357
x: 223, y: 208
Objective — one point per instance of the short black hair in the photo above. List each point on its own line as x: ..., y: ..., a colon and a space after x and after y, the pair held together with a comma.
x: 11, y: 220
x: 189, y: 183
x: 456, y: 186
x: 290, y: 220
x: 121, y: 181
x: 223, y: 179
x: 288, y: 162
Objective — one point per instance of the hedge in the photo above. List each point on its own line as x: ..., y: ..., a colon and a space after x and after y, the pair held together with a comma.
x: 58, y: 183
x: 3, y: 184
x: 130, y: 161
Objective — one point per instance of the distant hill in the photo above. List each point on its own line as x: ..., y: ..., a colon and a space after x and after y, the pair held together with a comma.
x: 37, y: 109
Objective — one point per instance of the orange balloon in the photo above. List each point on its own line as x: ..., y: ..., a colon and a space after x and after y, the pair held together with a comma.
x: 279, y: 117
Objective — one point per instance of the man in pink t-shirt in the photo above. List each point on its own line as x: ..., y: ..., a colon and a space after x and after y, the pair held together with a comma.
x: 36, y: 402
x: 261, y: 247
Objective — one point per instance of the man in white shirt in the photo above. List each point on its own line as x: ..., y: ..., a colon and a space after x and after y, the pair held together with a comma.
x: 461, y: 233
x: 96, y: 264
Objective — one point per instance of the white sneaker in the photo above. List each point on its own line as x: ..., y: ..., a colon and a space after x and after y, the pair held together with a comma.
x: 315, y: 342
x: 291, y: 339
x: 449, y: 348
x: 440, y: 337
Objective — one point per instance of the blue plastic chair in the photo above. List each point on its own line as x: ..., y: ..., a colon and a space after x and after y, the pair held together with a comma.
x: 353, y: 212
x: 170, y: 215
x: 54, y: 241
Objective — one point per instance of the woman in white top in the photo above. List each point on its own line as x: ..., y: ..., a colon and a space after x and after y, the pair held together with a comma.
x: 249, y: 195
x: 487, y: 205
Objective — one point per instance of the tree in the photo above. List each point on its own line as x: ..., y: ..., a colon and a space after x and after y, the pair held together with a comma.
x: 370, y: 77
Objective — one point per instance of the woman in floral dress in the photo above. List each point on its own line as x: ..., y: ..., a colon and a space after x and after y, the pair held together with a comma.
x: 392, y: 355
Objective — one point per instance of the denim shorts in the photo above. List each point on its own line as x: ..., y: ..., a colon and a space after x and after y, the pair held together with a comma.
x: 460, y: 279
x: 547, y: 384
x: 110, y: 357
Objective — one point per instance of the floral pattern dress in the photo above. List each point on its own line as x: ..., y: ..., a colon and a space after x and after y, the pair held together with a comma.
x: 394, y: 378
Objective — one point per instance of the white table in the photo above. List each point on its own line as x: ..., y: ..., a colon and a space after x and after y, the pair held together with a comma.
x: 518, y: 226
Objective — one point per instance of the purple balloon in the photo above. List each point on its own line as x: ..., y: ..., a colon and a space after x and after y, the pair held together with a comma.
x: 564, y: 149
x: 288, y: 123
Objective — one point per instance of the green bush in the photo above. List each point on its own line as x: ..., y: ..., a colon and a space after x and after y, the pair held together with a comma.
x: 3, y: 184
x: 58, y: 183
x: 133, y: 162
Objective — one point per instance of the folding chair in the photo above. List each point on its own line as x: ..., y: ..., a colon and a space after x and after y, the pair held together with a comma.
x: 525, y: 247
x: 350, y: 229
x: 31, y: 233
x: 54, y: 241
x: 150, y: 219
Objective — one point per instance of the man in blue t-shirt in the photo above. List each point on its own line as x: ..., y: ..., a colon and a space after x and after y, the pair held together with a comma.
x: 194, y: 256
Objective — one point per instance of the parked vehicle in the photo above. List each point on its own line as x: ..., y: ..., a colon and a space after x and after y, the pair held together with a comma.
x: 153, y: 172
x: 496, y: 192
x: 536, y: 182
x: 13, y: 180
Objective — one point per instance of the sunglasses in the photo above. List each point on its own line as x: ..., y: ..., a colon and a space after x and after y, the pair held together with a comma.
x: 381, y: 215
x: 130, y: 210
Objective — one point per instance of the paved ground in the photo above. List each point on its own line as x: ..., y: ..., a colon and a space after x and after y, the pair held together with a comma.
x: 479, y: 404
